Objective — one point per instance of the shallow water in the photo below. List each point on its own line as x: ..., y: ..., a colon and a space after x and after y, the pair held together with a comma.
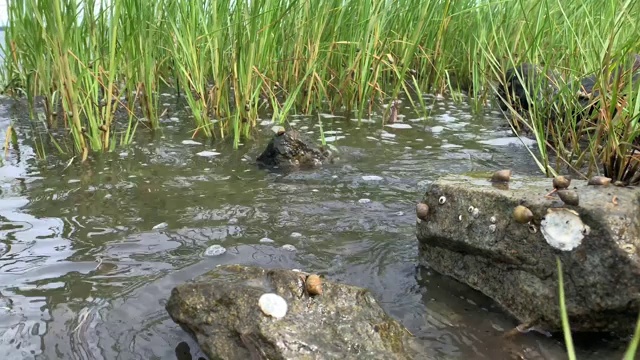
x: 90, y: 253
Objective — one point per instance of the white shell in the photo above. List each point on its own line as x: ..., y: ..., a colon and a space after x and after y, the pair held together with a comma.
x: 442, y: 200
x: 215, y: 250
x: 492, y: 228
x: 563, y: 229
x: 470, y: 209
x: 273, y: 305
x: 493, y: 219
x: 475, y: 213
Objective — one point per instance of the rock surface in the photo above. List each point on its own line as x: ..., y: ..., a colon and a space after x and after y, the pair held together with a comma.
x: 512, y: 263
x: 530, y: 82
x: 220, y: 309
x: 293, y: 149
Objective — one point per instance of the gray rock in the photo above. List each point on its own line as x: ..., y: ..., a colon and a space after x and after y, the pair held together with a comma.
x: 513, y: 263
x: 220, y: 309
x: 293, y: 149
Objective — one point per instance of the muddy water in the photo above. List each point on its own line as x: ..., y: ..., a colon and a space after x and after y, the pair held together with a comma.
x: 89, y: 253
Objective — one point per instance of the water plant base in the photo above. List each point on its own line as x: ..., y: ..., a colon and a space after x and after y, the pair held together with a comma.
x: 471, y: 235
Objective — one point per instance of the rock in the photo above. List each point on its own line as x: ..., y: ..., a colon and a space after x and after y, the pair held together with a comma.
x: 515, y: 265
x: 526, y: 79
x: 546, y: 87
x: 220, y: 309
x: 292, y: 148
x: 588, y: 91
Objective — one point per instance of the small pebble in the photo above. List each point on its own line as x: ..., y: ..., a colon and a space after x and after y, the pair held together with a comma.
x: 364, y: 201
x: 289, y: 247
x: 371, y: 178
x: 215, y: 250
x: 266, y: 240
x: 162, y: 225
x: 296, y: 235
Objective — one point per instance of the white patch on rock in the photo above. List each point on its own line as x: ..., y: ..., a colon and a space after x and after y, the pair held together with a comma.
x: 273, y: 305
x: 266, y: 240
x: 215, y: 250
x: 563, y: 229
x: 190, y: 142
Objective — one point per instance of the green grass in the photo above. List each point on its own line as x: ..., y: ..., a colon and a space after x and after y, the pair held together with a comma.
x: 98, y: 72
x: 566, y: 328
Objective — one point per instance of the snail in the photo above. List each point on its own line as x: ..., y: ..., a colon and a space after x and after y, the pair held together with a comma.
x: 313, y: 285
x: 501, y: 176
x: 599, y: 180
x: 522, y: 214
x: 569, y: 197
x: 560, y: 182
x: 422, y: 211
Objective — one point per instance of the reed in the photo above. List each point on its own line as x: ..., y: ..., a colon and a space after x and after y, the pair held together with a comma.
x: 95, y: 68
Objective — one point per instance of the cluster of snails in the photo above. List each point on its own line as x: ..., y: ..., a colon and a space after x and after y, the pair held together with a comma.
x: 560, y: 186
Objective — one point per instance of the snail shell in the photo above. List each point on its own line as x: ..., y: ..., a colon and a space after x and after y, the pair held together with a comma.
x: 522, y: 214
x: 501, y: 176
x: 569, y: 197
x: 422, y: 211
x: 314, y: 285
x: 561, y: 182
x: 599, y: 180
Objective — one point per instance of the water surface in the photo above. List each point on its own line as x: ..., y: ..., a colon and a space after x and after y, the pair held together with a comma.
x: 87, y: 264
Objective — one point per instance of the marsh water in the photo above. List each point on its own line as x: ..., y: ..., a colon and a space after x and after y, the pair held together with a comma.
x: 90, y: 252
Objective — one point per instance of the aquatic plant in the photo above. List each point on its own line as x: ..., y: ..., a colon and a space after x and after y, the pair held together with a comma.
x: 95, y: 68
x: 566, y: 327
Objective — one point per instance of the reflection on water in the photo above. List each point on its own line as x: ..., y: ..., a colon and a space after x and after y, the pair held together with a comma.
x: 91, y: 252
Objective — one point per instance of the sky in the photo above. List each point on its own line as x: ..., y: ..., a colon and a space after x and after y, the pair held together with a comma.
x: 3, y: 12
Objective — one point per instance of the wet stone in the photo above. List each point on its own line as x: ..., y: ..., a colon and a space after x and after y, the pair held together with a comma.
x: 515, y: 262
x: 238, y: 312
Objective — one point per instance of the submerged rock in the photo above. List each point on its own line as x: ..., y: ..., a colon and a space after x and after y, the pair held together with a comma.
x: 515, y: 263
x: 225, y: 311
x: 292, y: 148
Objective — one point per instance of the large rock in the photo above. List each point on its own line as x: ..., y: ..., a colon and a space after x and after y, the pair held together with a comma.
x: 473, y: 237
x: 221, y: 310
x: 293, y: 149
x: 529, y: 83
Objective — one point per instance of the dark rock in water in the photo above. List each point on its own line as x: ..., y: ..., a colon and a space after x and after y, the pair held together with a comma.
x: 527, y: 79
x: 220, y: 309
x: 529, y: 83
x: 588, y: 92
x: 515, y: 263
x: 292, y: 148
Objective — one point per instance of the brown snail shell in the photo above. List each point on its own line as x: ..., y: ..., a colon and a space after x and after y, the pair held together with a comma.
x: 522, y: 214
x: 561, y: 182
x: 569, y: 197
x: 422, y: 211
x: 599, y: 180
x: 501, y: 176
x: 314, y: 285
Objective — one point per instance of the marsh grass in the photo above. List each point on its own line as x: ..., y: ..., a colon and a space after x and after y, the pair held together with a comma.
x: 630, y: 353
x: 96, y: 68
